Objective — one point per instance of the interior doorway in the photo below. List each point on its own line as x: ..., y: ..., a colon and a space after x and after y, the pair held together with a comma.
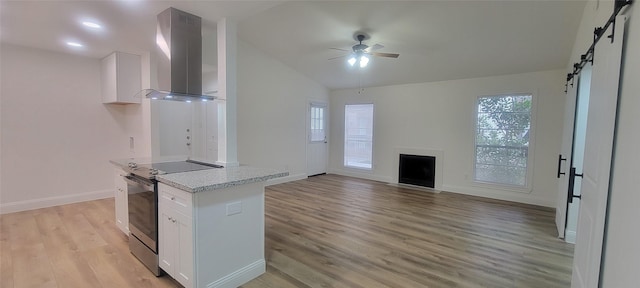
x: 576, y: 160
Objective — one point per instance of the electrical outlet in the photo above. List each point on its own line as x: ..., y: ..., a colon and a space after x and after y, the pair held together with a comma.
x: 234, y: 208
x: 131, y: 143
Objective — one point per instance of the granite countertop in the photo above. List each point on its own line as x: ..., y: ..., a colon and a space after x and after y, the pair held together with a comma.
x: 218, y: 178
x: 209, y: 179
x: 122, y: 163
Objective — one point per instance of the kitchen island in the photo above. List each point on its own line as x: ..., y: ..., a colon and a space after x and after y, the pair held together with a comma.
x: 211, y: 225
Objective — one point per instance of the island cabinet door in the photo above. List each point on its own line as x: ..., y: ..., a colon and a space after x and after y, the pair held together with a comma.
x: 166, y: 238
x: 184, y: 250
x: 175, y: 233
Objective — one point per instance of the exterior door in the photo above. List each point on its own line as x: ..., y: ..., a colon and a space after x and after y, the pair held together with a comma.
x: 598, y: 153
x: 317, y: 148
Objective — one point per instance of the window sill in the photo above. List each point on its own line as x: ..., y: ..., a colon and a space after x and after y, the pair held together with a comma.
x: 503, y: 187
x: 359, y: 169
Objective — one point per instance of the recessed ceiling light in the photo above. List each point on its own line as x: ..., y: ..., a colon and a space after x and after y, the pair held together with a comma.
x: 91, y: 25
x: 74, y: 44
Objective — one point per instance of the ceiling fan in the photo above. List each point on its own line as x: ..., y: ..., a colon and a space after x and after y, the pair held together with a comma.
x: 361, y: 52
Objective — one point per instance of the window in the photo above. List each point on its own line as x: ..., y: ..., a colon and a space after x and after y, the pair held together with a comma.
x: 358, y: 136
x: 317, y: 123
x: 502, y: 139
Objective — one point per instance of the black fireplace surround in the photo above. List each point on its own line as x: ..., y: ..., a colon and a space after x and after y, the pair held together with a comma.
x: 417, y: 170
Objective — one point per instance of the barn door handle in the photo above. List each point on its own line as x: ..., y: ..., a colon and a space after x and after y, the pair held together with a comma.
x: 572, y: 182
x: 560, y: 159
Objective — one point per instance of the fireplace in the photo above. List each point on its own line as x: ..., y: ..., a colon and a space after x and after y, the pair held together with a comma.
x: 417, y: 170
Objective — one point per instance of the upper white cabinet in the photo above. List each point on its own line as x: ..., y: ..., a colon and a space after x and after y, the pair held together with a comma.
x: 121, y: 78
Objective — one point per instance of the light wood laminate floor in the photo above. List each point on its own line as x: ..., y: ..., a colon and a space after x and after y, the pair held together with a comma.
x: 325, y: 231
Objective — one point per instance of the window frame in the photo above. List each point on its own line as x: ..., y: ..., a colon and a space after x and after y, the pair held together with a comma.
x: 344, y: 153
x: 324, y: 121
x: 528, y: 187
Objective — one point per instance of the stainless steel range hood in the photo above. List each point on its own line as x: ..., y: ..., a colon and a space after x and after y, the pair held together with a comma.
x: 179, y: 54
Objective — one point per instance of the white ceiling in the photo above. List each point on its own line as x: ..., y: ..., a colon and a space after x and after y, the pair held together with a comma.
x: 437, y: 40
x: 128, y: 25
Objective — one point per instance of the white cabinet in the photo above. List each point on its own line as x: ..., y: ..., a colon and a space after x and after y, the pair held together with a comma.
x: 121, y: 78
x: 175, y: 234
x: 212, y: 238
x: 122, y: 205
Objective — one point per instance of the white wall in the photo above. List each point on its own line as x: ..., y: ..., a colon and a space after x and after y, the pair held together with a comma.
x: 173, y: 121
x: 170, y: 121
x: 440, y: 116
x: 272, y: 109
x: 209, y: 81
x: 57, y: 136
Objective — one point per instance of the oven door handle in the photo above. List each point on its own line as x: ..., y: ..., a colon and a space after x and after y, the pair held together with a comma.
x: 137, y: 181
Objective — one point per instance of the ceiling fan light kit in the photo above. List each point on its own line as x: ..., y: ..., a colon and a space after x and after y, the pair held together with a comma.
x: 362, y: 60
x: 352, y: 60
x: 362, y: 52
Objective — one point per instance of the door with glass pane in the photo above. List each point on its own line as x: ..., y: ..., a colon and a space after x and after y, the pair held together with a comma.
x: 317, y: 148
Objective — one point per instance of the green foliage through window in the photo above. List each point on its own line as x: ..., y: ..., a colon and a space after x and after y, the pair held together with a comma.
x: 502, y: 139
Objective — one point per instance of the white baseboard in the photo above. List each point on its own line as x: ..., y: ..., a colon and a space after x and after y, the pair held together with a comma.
x: 499, y: 195
x: 570, y: 237
x: 286, y: 179
x: 54, y: 201
x: 240, y: 276
x: 368, y: 176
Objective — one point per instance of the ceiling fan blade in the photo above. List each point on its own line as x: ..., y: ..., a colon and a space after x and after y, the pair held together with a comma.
x: 389, y: 55
x: 337, y: 57
x: 374, y: 47
x: 340, y: 49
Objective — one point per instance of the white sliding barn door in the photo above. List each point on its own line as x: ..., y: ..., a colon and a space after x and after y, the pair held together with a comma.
x: 599, y: 145
x: 564, y: 159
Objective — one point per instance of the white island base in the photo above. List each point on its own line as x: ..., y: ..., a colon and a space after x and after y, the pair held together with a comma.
x: 212, y: 238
